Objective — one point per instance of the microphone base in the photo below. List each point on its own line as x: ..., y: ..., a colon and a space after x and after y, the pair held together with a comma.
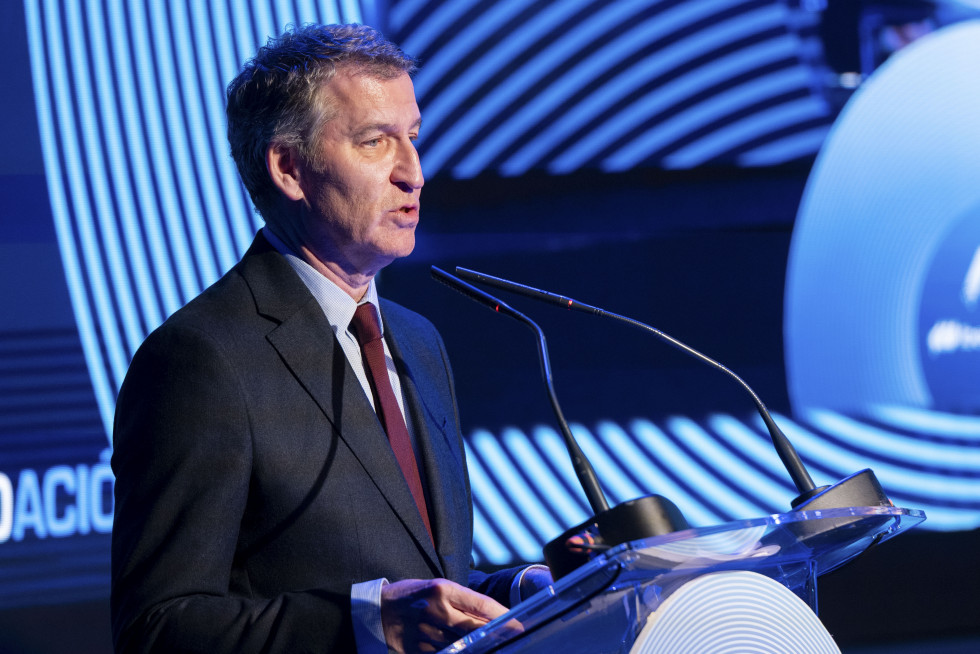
x: 644, y: 517
x: 655, y: 515
x: 860, y: 489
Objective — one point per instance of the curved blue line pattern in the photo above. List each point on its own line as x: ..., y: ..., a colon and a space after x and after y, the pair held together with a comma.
x: 516, y: 85
x: 716, y: 470
x: 149, y: 210
x: 148, y: 206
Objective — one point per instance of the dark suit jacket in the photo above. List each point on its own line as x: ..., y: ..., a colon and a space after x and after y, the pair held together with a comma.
x: 254, y: 483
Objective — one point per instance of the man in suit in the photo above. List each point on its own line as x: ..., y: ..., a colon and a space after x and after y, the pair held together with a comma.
x: 260, y: 503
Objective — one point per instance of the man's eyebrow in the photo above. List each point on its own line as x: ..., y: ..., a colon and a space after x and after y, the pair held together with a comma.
x: 386, y: 128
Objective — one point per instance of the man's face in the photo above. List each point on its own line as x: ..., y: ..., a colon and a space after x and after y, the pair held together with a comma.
x: 362, y: 200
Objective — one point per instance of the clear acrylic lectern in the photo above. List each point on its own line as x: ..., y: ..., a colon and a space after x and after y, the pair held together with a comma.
x: 605, y: 605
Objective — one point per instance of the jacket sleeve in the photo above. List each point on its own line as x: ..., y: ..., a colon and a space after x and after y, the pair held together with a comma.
x: 182, y: 459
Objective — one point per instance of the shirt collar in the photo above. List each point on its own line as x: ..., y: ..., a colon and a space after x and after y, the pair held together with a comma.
x: 336, y: 304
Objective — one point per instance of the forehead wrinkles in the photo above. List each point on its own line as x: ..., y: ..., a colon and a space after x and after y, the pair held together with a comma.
x: 365, y: 100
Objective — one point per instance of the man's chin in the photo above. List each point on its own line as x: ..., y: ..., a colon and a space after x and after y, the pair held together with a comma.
x: 404, y: 248
x: 390, y: 255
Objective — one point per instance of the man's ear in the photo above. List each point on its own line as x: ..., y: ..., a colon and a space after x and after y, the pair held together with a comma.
x: 283, y: 164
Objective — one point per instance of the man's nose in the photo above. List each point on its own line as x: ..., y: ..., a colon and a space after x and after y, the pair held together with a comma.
x: 408, y: 168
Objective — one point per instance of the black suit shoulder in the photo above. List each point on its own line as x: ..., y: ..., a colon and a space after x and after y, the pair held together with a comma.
x: 195, y: 421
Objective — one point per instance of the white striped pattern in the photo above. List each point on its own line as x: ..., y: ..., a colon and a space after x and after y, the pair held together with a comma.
x: 732, y: 613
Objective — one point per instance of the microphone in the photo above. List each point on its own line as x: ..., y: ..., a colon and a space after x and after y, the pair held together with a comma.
x: 860, y: 489
x: 580, y: 463
x: 643, y: 517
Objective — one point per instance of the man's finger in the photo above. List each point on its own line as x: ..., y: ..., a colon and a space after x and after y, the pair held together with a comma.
x: 417, y: 614
x: 471, y: 603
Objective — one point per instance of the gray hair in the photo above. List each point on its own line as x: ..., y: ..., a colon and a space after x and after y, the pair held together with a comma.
x: 276, y: 99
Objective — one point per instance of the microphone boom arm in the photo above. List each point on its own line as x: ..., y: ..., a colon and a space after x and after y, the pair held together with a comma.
x: 784, y: 448
x: 580, y: 463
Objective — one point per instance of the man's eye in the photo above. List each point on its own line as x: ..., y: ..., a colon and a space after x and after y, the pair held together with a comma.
x: 373, y: 143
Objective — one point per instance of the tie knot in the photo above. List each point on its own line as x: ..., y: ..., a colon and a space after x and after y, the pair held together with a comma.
x: 365, y: 324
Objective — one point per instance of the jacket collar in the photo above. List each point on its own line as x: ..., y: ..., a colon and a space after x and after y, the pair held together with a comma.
x: 304, y: 340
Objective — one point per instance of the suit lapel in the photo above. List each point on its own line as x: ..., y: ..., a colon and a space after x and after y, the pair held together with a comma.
x: 305, y: 342
x: 434, y: 424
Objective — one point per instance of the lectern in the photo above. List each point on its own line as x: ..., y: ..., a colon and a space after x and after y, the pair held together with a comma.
x: 635, y: 579
x: 743, y: 586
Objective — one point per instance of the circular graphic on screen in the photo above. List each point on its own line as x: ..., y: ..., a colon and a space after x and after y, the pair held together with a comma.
x: 949, y: 318
x: 883, y: 277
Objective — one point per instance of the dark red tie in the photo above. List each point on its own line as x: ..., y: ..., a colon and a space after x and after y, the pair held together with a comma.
x: 367, y: 330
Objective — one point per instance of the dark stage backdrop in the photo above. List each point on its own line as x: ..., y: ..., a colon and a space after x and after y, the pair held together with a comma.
x: 783, y: 185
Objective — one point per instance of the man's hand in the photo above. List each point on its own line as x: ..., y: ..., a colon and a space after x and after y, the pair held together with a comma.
x: 428, y: 615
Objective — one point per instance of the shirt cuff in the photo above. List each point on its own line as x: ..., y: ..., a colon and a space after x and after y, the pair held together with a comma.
x: 515, y: 586
x: 365, y: 609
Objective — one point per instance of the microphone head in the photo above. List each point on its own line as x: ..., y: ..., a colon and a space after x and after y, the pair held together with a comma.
x: 473, y: 292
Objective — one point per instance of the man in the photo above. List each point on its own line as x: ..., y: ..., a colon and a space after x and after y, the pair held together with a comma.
x: 259, y: 504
